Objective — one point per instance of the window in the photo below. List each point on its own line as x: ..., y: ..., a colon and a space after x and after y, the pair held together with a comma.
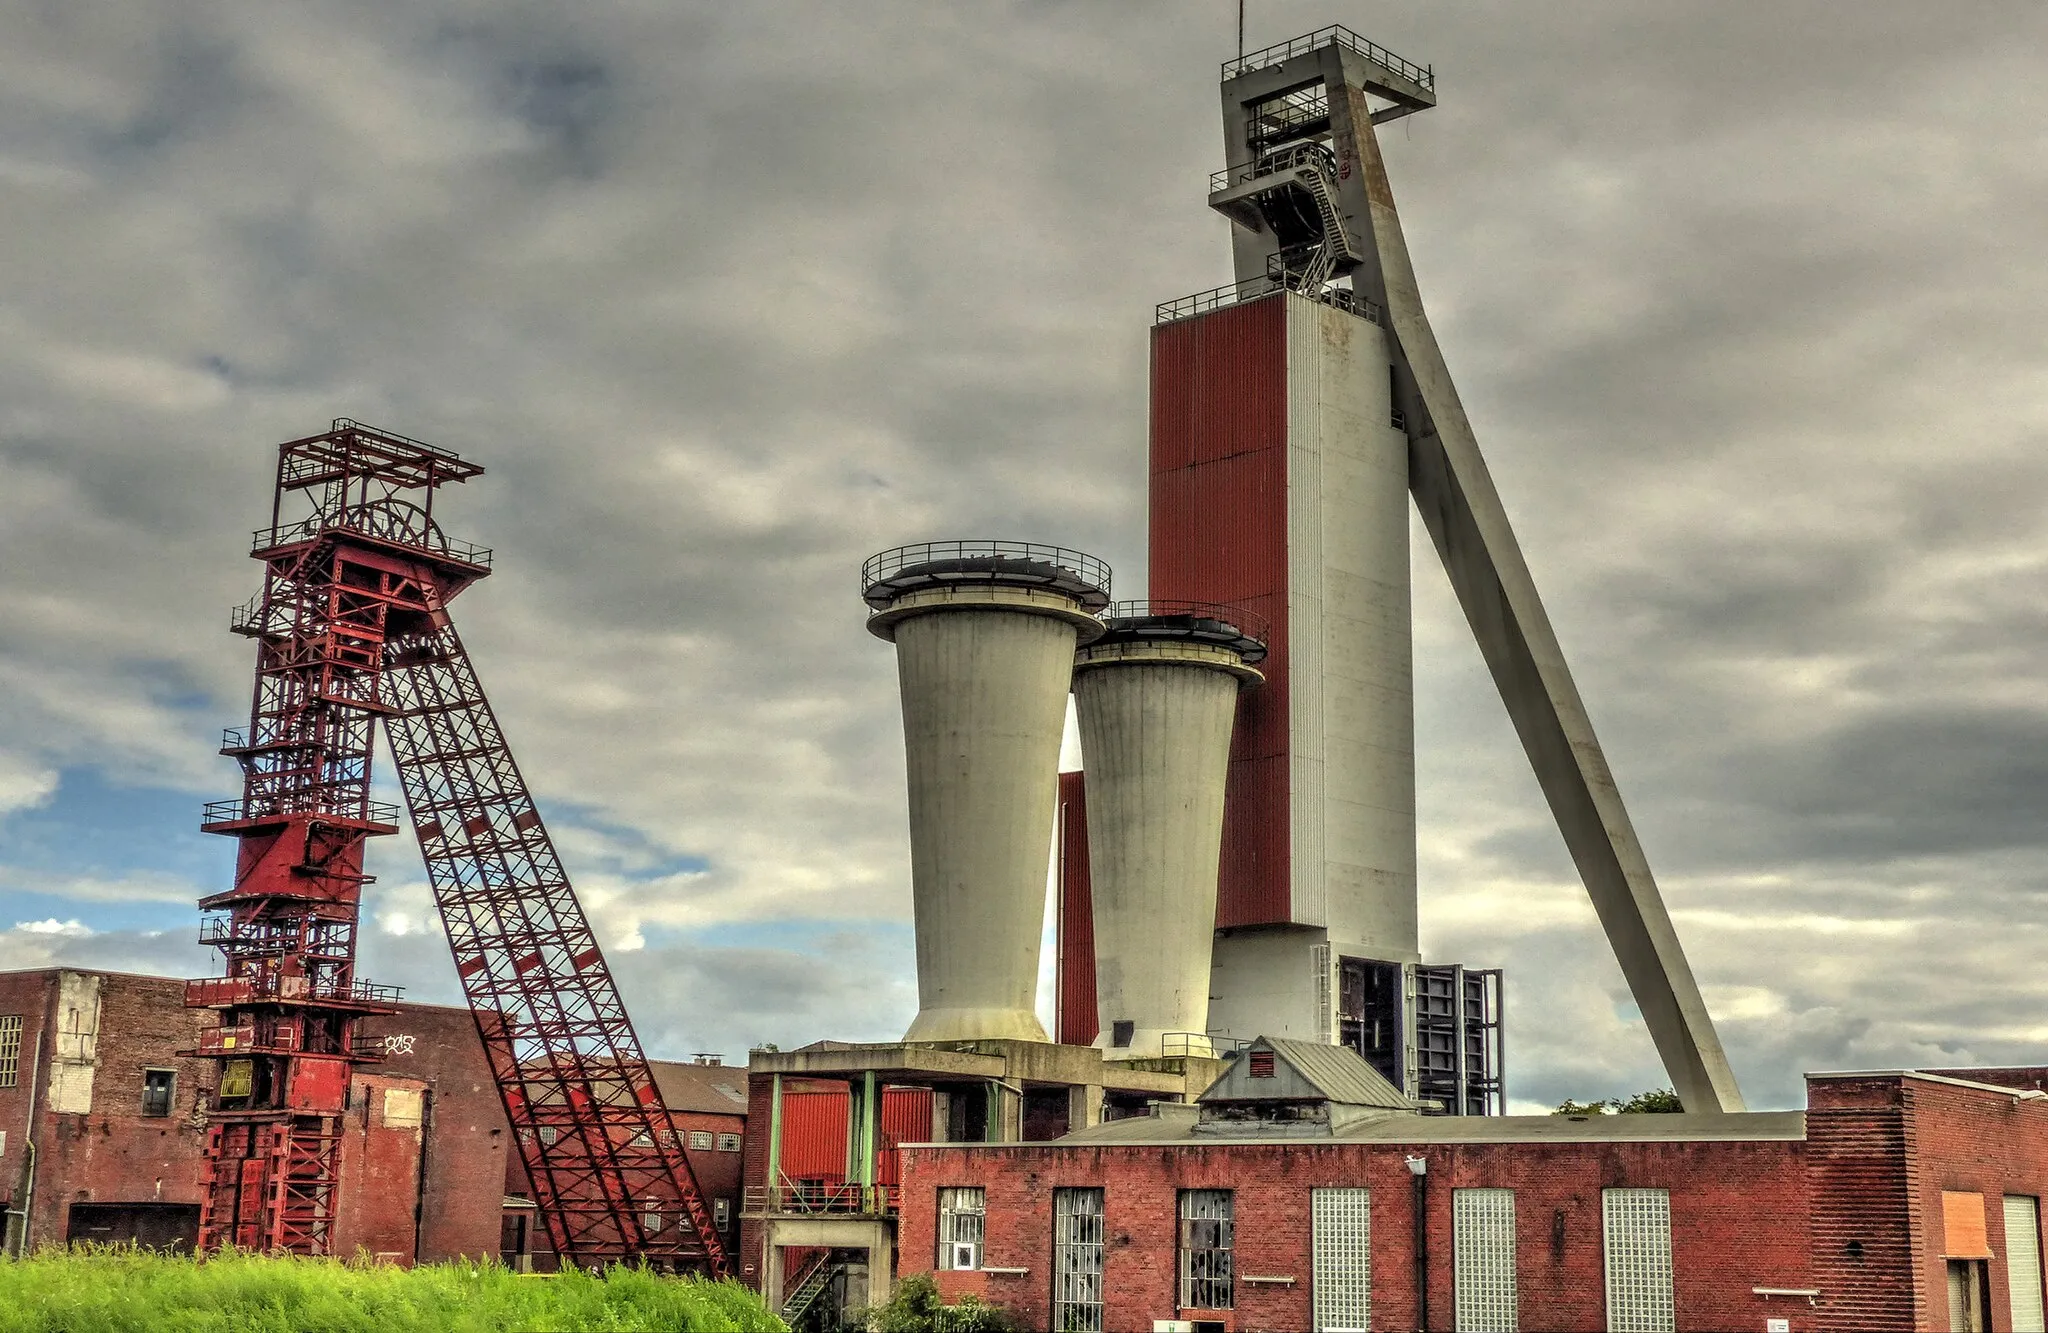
x: 1637, y: 1230
x: 1261, y: 1064
x: 2023, y: 1262
x: 962, y: 1217
x: 721, y: 1214
x: 961, y: 1212
x: 1341, y: 1281
x: 1077, y: 1260
x: 728, y: 1143
x: 650, y: 1218
x: 548, y: 1133
x: 156, y: 1091
x: 1483, y: 1259
x: 10, y: 1049
x: 1205, y: 1243
x: 700, y: 1140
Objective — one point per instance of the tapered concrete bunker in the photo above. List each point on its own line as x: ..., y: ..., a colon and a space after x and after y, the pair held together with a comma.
x: 1157, y: 698
x: 985, y: 636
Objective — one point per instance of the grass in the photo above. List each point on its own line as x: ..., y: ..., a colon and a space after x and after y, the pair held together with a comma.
x: 116, y: 1288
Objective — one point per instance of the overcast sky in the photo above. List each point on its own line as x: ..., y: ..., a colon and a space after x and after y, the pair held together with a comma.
x: 1749, y: 304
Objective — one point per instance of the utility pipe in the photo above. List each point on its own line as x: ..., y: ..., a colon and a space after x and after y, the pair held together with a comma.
x: 28, y: 1139
x: 1418, y: 1171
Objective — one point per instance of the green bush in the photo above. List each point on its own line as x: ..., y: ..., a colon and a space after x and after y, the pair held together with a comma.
x: 117, y: 1288
x: 915, y: 1307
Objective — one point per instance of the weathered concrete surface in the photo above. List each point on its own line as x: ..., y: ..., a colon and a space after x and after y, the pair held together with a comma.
x: 1155, y: 736
x: 984, y: 684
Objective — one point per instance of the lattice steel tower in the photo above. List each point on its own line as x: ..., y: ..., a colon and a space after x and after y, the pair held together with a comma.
x: 352, y: 626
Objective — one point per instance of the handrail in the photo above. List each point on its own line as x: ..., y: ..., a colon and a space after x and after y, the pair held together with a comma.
x: 242, y: 808
x: 1285, y: 158
x: 971, y: 558
x: 822, y: 1198
x: 1244, y: 621
x: 1335, y: 35
x: 371, y: 521
x: 1251, y: 289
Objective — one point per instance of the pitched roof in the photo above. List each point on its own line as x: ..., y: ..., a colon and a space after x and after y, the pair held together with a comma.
x: 1334, y: 1074
x: 712, y: 1089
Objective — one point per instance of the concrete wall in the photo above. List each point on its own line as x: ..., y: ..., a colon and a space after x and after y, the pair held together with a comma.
x: 984, y: 707
x: 1156, y: 741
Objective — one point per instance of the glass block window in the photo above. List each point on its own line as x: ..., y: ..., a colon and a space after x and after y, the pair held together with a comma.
x: 1637, y: 1233
x: 156, y: 1091
x: 728, y: 1143
x: 548, y: 1133
x: 650, y: 1216
x: 10, y: 1049
x: 1341, y: 1281
x: 700, y: 1140
x: 962, y: 1211
x: 1483, y: 1249
x: 1207, y: 1234
x: 1077, y: 1225
x: 2023, y: 1262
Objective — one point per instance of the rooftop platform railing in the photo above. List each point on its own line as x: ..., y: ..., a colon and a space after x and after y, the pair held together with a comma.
x: 1337, y: 34
x: 1251, y: 289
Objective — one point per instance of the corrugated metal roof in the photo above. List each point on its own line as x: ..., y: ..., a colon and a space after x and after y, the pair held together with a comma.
x: 1337, y: 1074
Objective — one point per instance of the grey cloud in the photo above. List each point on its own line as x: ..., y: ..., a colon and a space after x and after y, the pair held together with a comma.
x: 1744, y: 301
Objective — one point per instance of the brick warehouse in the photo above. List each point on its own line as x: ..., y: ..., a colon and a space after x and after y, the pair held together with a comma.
x: 1897, y: 1200
x: 101, y: 1126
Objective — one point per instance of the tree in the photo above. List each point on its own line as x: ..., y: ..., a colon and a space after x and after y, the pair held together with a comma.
x: 1656, y: 1101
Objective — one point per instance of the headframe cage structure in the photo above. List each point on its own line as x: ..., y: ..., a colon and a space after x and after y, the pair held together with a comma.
x: 1307, y: 194
x: 352, y: 627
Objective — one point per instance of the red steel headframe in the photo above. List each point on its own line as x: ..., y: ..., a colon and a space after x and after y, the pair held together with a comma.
x: 353, y: 626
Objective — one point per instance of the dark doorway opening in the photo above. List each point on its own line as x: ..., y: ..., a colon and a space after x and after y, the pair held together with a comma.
x: 172, y: 1227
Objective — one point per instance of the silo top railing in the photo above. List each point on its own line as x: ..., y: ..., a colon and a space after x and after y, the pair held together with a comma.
x: 1235, y: 627
x: 904, y: 569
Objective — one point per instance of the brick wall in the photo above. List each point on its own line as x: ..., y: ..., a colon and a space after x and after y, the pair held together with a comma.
x: 1738, y: 1222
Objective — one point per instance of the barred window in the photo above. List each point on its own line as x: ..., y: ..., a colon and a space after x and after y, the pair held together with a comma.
x: 1077, y: 1260
x: 650, y: 1217
x: 157, y: 1087
x: 10, y: 1049
x: 721, y: 1214
x: 728, y: 1143
x: 700, y: 1140
x: 1483, y: 1249
x: 961, y: 1210
x: 1206, y: 1237
x: 1341, y: 1286
x: 1637, y: 1230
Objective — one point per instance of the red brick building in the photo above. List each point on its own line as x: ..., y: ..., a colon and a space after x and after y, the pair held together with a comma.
x: 1899, y: 1200
x: 101, y: 1125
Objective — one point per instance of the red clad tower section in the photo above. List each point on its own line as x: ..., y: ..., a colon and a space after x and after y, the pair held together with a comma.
x: 1218, y: 533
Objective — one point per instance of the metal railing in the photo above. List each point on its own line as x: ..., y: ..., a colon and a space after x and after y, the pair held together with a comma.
x: 243, y: 808
x: 822, y: 1198
x: 1290, y: 158
x: 980, y: 557
x: 1198, y: 1043
x: 380, y: 521
x: 208, y: 992
x: 1241, y: 622
x: 1251, y: 289
x: 1335, y: 35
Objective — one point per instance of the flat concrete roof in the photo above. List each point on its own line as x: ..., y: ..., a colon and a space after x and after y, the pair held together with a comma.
x: 1177, y: 1130
x: 1009, y: 1061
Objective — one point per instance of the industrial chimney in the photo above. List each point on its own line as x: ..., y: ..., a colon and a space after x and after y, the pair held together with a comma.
x: 1157, y: 697
x: 985, y: 636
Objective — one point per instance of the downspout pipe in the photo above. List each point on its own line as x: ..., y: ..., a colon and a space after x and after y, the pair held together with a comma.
x: 1418, y: 1171
x: 28, y: 1140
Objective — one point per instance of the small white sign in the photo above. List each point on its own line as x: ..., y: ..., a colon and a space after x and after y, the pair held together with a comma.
x: 1776, y: 1325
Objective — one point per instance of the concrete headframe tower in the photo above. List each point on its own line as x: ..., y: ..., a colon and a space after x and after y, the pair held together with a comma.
x: 1292, y: 413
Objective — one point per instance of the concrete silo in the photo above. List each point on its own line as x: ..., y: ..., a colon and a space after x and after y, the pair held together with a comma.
x: 985, y: 636
x: 1157, y: 698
